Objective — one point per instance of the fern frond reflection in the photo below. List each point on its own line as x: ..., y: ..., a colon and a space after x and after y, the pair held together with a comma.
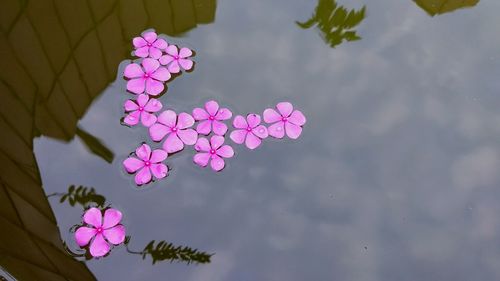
x: 165, y: 251
x: 81, y: 195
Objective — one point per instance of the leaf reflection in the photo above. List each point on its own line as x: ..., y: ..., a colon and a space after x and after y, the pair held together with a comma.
x: 81, y: 195
x: 437, y: 7
x: 165, y: 251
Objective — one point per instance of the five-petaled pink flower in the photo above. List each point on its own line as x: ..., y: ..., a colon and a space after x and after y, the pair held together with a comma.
x: 178, y: 129
x: 105, y: 231
x: 148, y: 162
x: 249, y: 131
x: 151, y: 78
x: 211, y: 118
x: 141, y: 109
x: 214, y: 152
x: 287, y: 120
x: 176, y: 59
x: 149, y: 45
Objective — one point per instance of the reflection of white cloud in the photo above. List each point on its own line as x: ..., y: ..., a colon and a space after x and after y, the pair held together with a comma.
x: 478, y: 168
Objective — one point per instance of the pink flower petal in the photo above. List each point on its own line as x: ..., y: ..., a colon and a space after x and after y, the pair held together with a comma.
x: 99, y: 247
x: 252, y: 141
x: 188, y: 136
x: 136, y: 85
x: 202, y: 145
x: 158, y: 131
x: 158, y: 155
x: 223, y: 114
x: 154, y: 87
x: 271, y: 116
x: 143, y: 177
x: 239, y: 122
x: 84, y: 234
x: 147, y: 119
x: 161, y: 74
x: 219, y: 128
x: 166, y: 59
x: 184, y: 120
x: 115, y: 235
x: 186, y: 64
x: 139, y: 42
x: 212, y: 107
x: 150, y: 65
x: 142, y: 99
x: 277, y: 130
x: 297, y: 118
x: 204, y: 127
x: 185, y: 52
x: 159, y: 170
x: 253, y: 120
x: 133, y: 70
x: 285, y: 108
x: 111, y: 218
x: 225, y: 151
x: 292, y: 131
x: 238, y: 136
x: 132, y: 164
x: 143, y: 152
x: 150, y: 36
x: 217, y: 163
x: 160, y: 44
x: 93, y: 216
x: 132, y: 119
x: 155, y: 52
x: 142, y: 52
x: 168, y: 117
x: 216, y: 142
x: 260, y: 131
x: 172, y: 50
x: 173, y: 144
x: 173, y: 67
x: 153, y: 105
x: 201, y: 159
x: 200, y: 114
x: 130, y: 106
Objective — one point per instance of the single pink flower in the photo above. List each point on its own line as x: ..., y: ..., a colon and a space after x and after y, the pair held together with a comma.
x: 211, y: 118
x: 287, y: 120
x: 176, y: 59
x: 147, y: 164
x: 105, y: 231
x: 151, y: 78
x: 178, y: 129
x: 250, y: 131
x: 149, y: 45
x: 214, y: 152
x: 141, y: 109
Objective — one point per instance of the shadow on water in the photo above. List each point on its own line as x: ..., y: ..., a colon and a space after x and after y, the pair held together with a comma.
x: 335, y: 23
x: 437, y: 7
x: 57, y: 57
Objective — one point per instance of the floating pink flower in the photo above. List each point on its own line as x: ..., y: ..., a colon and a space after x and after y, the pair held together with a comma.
x: 104, y: 232
x: 147, y: 164
x: 211, y: 118
x: 151, y: 78
x: 214, y: 152
x: 149, y: 45
x: 141, y: 109
x: 178, y: 129
x: 250, y: 131
x: 176, y: 59
x: 287, y: 120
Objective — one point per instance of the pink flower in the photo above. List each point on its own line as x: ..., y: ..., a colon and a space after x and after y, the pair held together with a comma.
x: 105, y: 232
x: 148, y: 162
x: 214, y: 152
x: 210, y: 118
x: 149, y: 45
x: 251, y: 132
x: 177, y: 127
x: 287, y: 120
x: 151, y: 78
x: 141, y: 109
x: 176, y: 59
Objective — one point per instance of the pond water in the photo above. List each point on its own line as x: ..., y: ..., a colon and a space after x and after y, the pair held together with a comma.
x: 395, y: 176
